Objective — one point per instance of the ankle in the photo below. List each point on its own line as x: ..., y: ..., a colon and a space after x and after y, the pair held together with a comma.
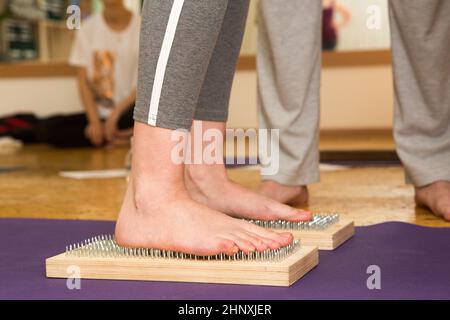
x: 437, y: 183
x: 205, y: 173
x: 151, y: 191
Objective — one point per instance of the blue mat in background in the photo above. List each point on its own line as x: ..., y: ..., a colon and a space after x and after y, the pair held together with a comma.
x: 414, y: 263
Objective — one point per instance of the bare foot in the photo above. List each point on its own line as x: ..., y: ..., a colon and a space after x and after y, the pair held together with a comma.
x: 209, y: 185
x: 291, y: 195
x: 176, y: 222
x: 436, y: 197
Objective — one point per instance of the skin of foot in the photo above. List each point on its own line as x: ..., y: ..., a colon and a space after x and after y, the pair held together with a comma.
x: 436, y: 197
x: 209, y: 184
x: 290, y: 195
x: 158, y: 212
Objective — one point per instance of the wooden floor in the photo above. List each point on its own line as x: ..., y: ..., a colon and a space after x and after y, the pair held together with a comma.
x: 367, y: 195
x: 357, y: 140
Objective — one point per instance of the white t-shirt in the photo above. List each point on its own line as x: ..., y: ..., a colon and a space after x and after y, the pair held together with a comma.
x: 110, y: 57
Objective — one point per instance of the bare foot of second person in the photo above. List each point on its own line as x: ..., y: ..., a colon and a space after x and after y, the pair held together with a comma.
x: 436, y: 197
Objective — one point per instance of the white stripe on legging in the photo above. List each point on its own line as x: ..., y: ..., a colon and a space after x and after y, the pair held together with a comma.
x: 163, y: 59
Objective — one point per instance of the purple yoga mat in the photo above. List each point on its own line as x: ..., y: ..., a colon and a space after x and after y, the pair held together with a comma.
x: 414, y: 262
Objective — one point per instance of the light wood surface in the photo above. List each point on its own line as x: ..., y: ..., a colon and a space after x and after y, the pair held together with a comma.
x: 356, y: 58
x: 327, y: 239
x: 37, y: 70
x: 245, y: 63
x: 335, y: 59
x: 357, y: 140
x: 271, y: 273
x: 364, y: 195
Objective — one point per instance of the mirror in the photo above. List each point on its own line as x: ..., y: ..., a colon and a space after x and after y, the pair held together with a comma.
x: 362, y: 25
x: 368, y: 28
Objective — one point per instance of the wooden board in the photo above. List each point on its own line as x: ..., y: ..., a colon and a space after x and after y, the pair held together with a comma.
x: 327, y: 239
x: 280, y: 273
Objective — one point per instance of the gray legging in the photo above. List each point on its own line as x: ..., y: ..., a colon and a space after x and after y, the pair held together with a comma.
x: 188, y: 54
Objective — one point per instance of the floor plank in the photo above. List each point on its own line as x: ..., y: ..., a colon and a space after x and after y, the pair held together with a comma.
x: 366, y: 195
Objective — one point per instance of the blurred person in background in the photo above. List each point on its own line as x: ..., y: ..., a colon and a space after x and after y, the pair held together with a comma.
x: 335, y: 16
x: 106, y: 52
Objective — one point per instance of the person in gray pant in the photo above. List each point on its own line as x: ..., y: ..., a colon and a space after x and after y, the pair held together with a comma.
x: 188, y: 52
x: 289, y: 58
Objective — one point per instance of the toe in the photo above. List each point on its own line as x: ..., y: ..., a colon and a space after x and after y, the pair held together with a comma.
x: 227, y: 246
x: 442, y: 208
x: 279, y: 238
x: 298, y: 215
x: 446, y: 212
x: 288, y: 238
x: 283, y: 238
x: 285, y: 212
x: 243, y: 244
x: 270, y: 244
x: 256, y: 241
